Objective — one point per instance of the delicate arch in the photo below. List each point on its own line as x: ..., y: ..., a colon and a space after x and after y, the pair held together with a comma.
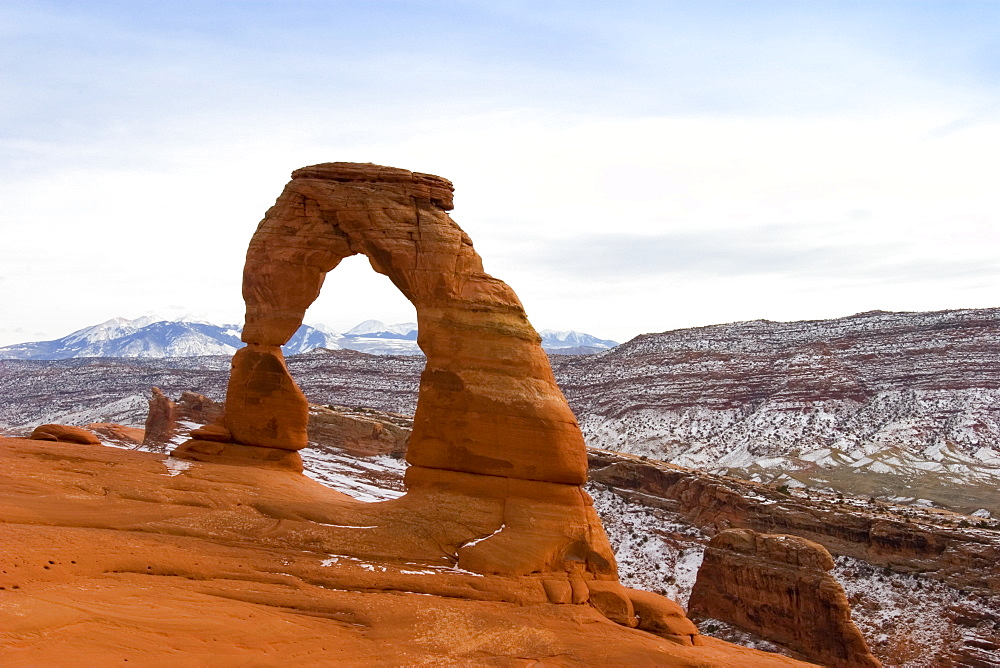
x: 488, y: 401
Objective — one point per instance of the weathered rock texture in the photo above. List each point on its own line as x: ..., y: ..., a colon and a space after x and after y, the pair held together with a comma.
x: 923, y: 584
x: 488, y: 402
x: 165, y: 417
x: 780, y: 587
x: 118, y: 433
x: 362, y: 432
x: 497, y: 458
x: 121, y: 557
x: 64, y: 433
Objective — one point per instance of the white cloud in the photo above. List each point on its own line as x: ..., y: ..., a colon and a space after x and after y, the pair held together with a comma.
x: 786, y: 163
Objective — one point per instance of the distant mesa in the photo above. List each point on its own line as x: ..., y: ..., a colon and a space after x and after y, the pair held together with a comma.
x: 154, y: 337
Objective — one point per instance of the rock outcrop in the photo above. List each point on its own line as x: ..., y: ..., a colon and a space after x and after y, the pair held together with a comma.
x: 488, y: 402
x: 118, y: 433
x: 923, y: 583
x: 161, y: 420
x: 167, y: 419
x: 361, y: 432
x: 780, y: 587
x: 497, y: 460
x: 111, y: 556
x: 64, y: 433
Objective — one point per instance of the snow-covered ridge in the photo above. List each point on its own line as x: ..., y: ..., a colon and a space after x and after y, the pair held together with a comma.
x: 555, y: 340
x: 155, y: 337
x: 914, y: 397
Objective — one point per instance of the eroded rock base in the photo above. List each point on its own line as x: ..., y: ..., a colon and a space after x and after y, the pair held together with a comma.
x: 109, y: 554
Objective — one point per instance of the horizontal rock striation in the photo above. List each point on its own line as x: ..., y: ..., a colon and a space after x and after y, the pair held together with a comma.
x: 923, y: 584
x: 875, y: 392
x: 780, y: 587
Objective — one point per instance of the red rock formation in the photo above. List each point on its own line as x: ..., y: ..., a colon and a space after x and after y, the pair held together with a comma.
x: 165, y: 415
x: 161, y: 420
x: 65, y: 433
x: 118, y: 433
x: 488, y: 401
x: 779, y: 587
x: 360, y: 432
x: 198, y: 408
x: 495, y: 449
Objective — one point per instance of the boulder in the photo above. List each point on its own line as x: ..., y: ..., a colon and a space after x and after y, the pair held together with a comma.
x: 118, y: 433
x: 362, y: 432
x: 166, y: 418
x: 161, y: 420
x: 64, y: 433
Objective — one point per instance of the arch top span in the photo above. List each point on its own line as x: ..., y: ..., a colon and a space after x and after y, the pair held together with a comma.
x: 488, y: 402
x: 438, y: 190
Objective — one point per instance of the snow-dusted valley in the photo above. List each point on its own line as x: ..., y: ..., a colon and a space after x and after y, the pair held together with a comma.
x: 896, y: 405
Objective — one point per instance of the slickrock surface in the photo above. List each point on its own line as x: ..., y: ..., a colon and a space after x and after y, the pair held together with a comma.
x: 108, y: 555
x: 780, y: 587
x: 491, y: 425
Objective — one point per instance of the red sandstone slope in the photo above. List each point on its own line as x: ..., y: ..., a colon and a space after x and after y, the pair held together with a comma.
x: 109, y: 555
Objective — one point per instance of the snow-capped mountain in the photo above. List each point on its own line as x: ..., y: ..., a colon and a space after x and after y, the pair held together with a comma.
x: 377, y: 338
x: 556, y: 341
x: 379, y: 330
x: 310, y: 337
x: 153, y: 337
x: 150, y: 336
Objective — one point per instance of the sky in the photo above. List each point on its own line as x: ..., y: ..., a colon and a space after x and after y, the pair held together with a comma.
x: 626, y: 167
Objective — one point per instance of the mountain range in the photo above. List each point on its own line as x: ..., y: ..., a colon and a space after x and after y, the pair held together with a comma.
x: 153, y: 337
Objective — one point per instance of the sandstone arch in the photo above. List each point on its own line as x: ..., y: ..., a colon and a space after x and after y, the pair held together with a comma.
x: 497, y: 458
x: 488, y: 401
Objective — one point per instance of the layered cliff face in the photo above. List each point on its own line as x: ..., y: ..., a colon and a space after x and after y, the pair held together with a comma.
x: 911, y: 400
x: 923, y: 584
x: 780, y: 586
